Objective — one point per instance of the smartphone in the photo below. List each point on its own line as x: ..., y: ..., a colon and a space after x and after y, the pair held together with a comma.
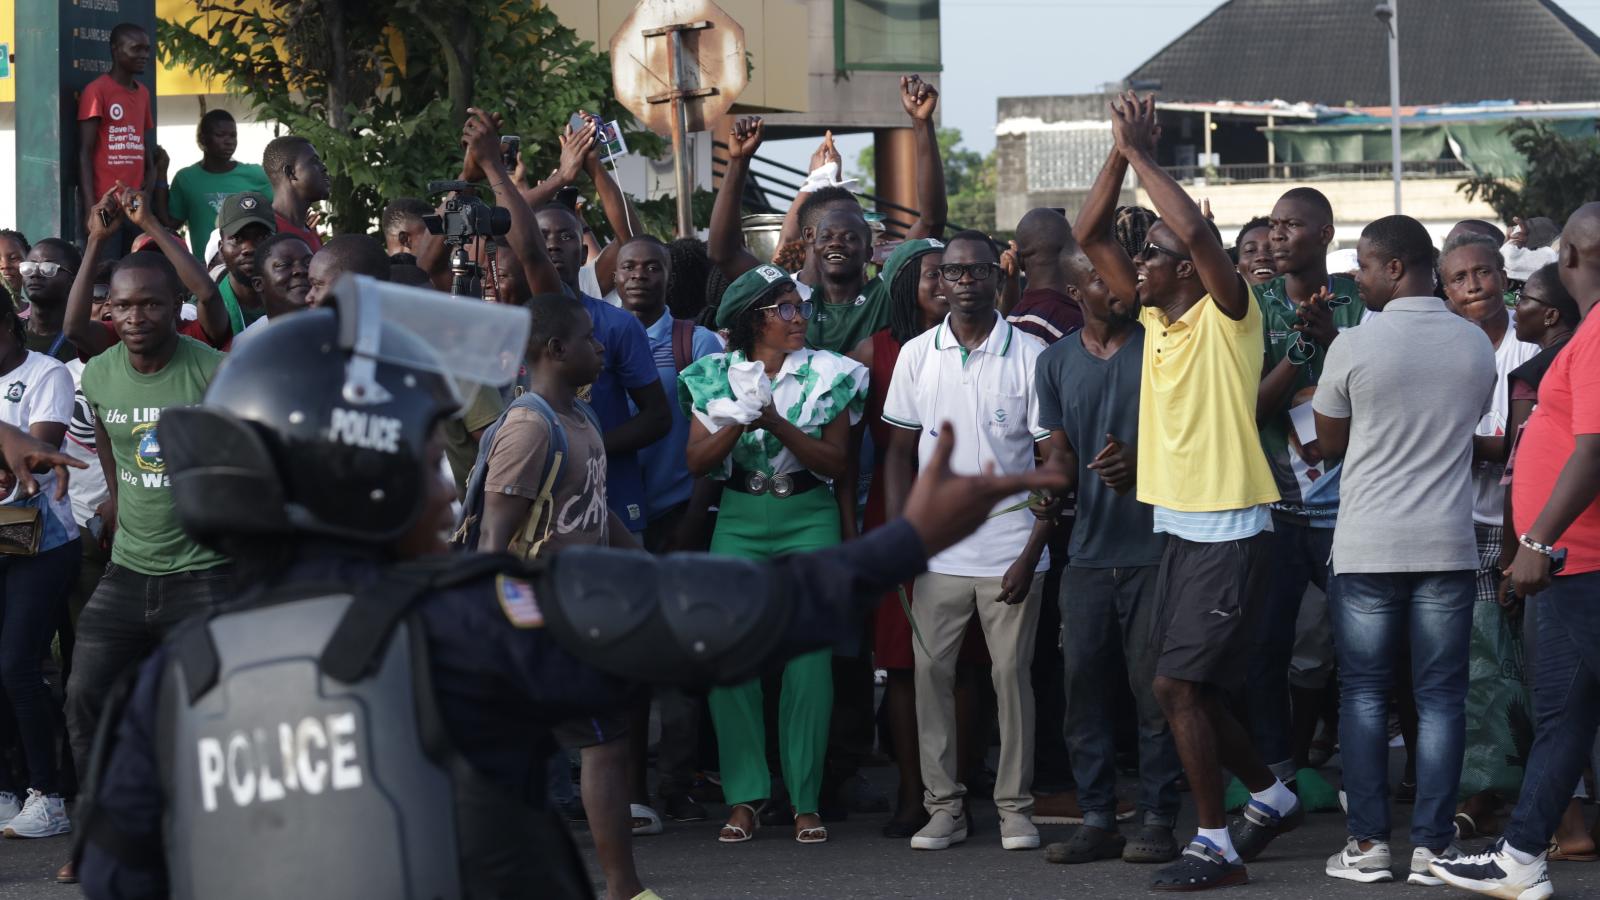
x: 97, y: 528
x: 510, y: 146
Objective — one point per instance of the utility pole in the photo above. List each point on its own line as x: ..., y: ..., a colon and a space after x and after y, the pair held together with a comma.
x: 1389, y: 16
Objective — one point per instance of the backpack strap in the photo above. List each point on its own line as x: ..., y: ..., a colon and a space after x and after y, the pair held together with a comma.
x: 529, y: 539
x: 682, y: 343
x: 470, y: 520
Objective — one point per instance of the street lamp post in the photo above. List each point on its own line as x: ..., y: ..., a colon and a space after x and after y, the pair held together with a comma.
x: 1386, y: 13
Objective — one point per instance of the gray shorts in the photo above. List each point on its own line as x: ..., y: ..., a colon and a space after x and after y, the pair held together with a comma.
x: 591, y: 731
x: 1206, y: 597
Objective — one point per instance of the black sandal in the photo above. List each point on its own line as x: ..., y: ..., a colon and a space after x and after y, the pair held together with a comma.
x: 1200, y: 868
x: 1087, y: 844
x: 1151, y: 844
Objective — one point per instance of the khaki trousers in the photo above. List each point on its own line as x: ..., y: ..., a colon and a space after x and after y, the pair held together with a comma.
x: 941, y: 608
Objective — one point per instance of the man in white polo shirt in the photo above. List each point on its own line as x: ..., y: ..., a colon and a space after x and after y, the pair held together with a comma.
x: 973, y: 373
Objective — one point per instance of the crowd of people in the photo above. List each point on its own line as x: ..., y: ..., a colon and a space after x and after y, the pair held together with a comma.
x: 1317, y: 498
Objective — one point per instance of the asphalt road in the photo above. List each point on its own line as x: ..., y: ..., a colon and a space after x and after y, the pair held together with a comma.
x: 687, y: 862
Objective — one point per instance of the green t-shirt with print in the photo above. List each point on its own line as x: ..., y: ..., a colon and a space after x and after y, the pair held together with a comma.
x: 839, y: 327
x: 128, y: 405
x: 196, y: 197
x: 1278, y: 315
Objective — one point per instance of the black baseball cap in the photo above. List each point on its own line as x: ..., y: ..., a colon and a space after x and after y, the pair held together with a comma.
x: 247, y: 208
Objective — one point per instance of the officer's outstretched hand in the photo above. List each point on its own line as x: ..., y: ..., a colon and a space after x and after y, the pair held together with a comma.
x: 944, y: 507
x: 23, y: 453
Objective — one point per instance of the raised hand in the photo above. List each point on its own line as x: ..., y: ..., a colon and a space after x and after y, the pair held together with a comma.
x: 1011, y: 261
x: 1133, y: 123
x: 1316, y: 318
x: 825, y: 153
x: 576, y: 148
x: 918, y: 98
x: 105, y: 217
x: 137, y: 208
x: 945, y: 507
x: 745, y: 137
x: 480, y: 137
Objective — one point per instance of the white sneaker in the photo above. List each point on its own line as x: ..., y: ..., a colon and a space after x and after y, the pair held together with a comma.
x: 941, y: 831
x: 41, y: 816
x: 1495, y: 873
x: 9, y: 807
x: 1017, y: 832
x: 1366, y: 866
x: 1422, y: 857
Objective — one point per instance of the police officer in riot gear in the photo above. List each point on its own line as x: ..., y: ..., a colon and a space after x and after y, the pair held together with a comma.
x: 370, y: 718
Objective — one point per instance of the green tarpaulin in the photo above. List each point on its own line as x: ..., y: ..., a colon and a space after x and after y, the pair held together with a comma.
x: 1484, y: 147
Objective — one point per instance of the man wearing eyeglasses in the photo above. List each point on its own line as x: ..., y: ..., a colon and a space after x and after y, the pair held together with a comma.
x: 1303, y: 310
x: 974, y: 371
x: 1201, y: 467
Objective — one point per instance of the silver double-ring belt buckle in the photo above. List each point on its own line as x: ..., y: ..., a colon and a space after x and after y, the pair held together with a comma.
x: 782, y: 486
x: 756, y: 483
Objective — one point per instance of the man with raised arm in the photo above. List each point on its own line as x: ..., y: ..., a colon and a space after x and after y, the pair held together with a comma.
x: 1202, y: 470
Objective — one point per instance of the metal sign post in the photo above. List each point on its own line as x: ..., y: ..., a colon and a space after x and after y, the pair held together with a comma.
x: 681, y: 84
x: 685, y: 87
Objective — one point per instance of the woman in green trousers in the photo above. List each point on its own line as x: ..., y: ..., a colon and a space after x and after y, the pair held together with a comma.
x: 771, y: 420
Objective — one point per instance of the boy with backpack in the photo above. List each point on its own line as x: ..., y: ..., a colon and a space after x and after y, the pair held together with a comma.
x: 539, y: 484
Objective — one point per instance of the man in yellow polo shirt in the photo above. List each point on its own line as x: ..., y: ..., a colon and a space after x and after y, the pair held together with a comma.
x: 1202, y: 470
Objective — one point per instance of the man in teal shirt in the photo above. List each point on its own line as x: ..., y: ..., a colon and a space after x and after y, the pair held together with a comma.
x: 1303, y: 310
x: 197, y: 191
x: 244, y: 222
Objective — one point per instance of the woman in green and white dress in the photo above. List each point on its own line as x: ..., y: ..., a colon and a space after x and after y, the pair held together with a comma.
x: 771, y: 420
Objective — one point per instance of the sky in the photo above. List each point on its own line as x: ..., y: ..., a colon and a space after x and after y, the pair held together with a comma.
x: 1010, y: 48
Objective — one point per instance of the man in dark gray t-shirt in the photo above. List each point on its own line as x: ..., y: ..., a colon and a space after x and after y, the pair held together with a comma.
x: 1088, y: 387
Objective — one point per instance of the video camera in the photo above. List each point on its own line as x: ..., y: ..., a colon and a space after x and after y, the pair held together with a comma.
x: 466, y: 219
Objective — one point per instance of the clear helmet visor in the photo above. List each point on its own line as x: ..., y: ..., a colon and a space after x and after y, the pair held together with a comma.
x: 468, y: 343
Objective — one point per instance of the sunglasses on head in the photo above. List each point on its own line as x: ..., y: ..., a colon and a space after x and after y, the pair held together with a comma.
x: 952, y: 272
x: 46, y: 269
x: 1153, y: 247
x: 788, y: 309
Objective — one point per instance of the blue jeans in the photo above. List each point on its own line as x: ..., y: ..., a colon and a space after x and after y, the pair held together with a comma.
x: 1110, y: 615
x: 1299, y: 556
x: 1372, y: 615
x: 33, y: 595
x: 1566, y: 704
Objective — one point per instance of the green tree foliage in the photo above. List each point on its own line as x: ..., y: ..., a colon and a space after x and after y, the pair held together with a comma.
x: 381, y: 87
x: 1563, y: 173
x: 969, y: 181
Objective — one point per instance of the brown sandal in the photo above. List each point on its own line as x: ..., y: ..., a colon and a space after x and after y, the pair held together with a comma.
x: 1556, y: 854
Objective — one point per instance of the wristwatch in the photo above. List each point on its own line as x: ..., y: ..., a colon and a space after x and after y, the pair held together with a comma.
x: 1535, y: 546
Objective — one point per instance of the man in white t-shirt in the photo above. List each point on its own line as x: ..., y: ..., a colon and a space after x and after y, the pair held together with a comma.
x: 1474, y: 278
x: 973, y: 373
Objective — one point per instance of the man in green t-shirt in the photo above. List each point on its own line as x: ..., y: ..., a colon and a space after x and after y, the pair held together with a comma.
x: 1303, y: 310
x: 158, y: 575
x: 244, y: 222
x: 849, y: 306
x: 196, y: 194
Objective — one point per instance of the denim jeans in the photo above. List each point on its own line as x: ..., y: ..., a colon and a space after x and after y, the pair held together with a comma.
x: 1110, y: 615
x: 33, y: 593
x: 1566, y: 704
x: 1299, y: 556
x: 123, y: 622
x: 1372, y: 615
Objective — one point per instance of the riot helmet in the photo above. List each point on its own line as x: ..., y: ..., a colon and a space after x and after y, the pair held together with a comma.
x: 318, y: 426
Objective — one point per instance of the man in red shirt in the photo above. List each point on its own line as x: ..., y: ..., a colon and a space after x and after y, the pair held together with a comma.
x: 1554, y: 489
x: 114, y: 122
x: 299, y: 179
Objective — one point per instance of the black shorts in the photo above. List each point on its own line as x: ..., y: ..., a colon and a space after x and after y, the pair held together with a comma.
x: 1208, y: 595
x: 591, y: 730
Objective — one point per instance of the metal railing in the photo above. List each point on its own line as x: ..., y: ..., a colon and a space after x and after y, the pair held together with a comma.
x: 763, y: 186
x: 1319, y: 171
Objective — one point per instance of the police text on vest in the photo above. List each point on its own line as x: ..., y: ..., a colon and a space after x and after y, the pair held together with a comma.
x: 312, y: 755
